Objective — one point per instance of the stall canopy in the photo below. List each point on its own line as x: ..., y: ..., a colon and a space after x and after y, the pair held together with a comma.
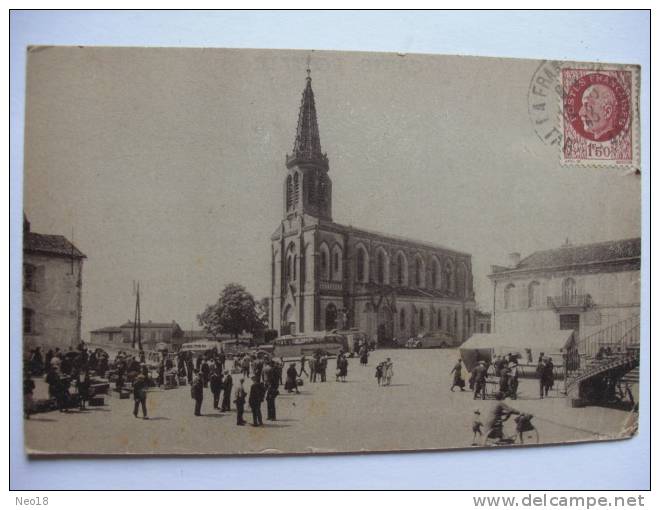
x: 482, y: 346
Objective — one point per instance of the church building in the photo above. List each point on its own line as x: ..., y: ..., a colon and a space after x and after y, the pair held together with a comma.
x: 327, y: 276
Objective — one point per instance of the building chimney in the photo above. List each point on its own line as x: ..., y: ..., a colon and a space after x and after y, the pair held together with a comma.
x: 514, y: 259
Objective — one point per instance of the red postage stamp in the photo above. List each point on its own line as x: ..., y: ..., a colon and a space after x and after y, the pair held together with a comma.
x: 599, y: 116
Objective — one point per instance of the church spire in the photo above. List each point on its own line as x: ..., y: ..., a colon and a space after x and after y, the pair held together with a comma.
x: 307, y: 145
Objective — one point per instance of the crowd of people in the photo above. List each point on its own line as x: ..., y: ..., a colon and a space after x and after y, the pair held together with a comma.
x: 504, y: 373
x: 63, y: 372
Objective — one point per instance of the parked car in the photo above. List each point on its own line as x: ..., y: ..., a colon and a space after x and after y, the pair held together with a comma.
x: 430, y: 341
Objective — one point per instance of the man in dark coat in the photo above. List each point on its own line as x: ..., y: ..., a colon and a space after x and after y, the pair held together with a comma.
x: 205, y: 370
x: 257, y: 393
x: 458, y: 377
x: 239, y: 400
x: 140, y: 392
x: 190, y: 370
x: 226, y: 388
x: 504, y: 381
x: 221, y: 359
x: 547, y: 377
x: 479, y: 375
x: 271, y: 394
x: 324, y: 367
x: 541, y: 374
x: 197, y: 393
x: 47, y: 360
x: 215, y: 382
x: 84, y: 384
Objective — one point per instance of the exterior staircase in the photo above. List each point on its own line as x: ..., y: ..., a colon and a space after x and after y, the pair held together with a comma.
x: 605, y: 359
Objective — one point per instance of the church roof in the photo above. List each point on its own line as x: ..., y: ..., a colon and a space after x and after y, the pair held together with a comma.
x: 307, y: 144
x: 51, y: 245
x: 569, y: 255
x: 394, y: 238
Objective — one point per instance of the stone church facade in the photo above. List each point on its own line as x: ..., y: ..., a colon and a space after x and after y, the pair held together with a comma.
x: 326, y: 276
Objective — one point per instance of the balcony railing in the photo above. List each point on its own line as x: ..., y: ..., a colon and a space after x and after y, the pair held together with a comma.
x: 328, y: 285
x: 570, y: 301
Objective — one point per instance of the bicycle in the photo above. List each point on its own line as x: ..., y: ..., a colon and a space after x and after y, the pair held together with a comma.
x: 525, y: 433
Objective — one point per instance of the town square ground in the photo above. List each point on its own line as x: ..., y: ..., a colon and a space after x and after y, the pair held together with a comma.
x: 416, y: 412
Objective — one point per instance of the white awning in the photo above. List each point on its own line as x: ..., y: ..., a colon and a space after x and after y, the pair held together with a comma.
x: 548, y: 341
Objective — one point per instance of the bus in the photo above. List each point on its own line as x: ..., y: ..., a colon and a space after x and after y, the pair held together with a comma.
x: 294, y: 346
x: 201, y: 347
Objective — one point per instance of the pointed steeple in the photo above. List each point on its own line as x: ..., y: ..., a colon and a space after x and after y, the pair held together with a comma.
x: 307, y: 145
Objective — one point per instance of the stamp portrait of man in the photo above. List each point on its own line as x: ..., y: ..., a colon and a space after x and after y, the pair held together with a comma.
x: 599, y: 111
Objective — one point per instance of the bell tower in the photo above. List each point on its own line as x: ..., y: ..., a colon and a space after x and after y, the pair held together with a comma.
x: 307, y: 186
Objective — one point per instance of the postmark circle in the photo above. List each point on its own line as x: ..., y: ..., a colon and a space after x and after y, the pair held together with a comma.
x: 597, y: 106
x: 544, y: 101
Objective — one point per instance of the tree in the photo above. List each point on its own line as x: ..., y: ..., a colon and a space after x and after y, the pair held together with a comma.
x: 235, y: 312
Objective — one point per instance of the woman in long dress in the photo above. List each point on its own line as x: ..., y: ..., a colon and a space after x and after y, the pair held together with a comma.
x: 291, y: 379
x: 388, y: 372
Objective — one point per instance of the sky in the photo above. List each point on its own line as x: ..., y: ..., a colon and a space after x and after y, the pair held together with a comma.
x: 166, y: 165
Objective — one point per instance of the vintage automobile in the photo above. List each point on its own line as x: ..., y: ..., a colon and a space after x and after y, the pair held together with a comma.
x: 436, y: 339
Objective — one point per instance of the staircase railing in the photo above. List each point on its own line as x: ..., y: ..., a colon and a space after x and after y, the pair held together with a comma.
x: 618, y: 336
x: 618, y: 339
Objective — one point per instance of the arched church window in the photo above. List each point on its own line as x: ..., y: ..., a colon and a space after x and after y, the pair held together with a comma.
x: 419, y: 272
x: 336, y: 263
x: 435, y: 273
x: 361, y: 265
x: 401, y: 269
x: 448, y: 277
x: 381, y: 271
x: 422, y: 318
x: 324, y: 263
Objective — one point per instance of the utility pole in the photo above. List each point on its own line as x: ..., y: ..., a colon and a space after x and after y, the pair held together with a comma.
x: 137, y: 329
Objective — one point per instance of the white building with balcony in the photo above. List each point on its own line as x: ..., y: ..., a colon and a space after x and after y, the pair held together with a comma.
x: 584, y: 288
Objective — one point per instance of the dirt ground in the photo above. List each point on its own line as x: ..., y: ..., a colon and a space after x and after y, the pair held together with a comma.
x: 416, y: 412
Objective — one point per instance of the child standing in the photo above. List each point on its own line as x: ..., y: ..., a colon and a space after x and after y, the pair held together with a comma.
x: 476, y: 427
x: 379, y: 372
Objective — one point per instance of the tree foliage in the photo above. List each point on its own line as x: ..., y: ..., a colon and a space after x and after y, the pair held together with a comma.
x: 235, y: 312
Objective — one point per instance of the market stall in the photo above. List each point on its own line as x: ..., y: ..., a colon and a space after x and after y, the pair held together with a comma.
x: 525, y: 346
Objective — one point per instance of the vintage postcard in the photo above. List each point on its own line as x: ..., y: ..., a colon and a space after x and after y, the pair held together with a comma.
x: 264, y: 252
